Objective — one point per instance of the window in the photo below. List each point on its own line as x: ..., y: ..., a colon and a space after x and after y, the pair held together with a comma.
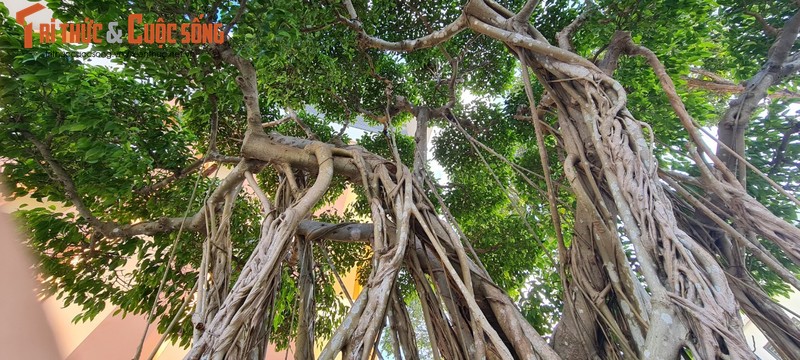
x: 771, y: 350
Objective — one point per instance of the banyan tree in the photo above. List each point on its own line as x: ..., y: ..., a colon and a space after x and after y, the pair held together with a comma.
x: 582, y: 180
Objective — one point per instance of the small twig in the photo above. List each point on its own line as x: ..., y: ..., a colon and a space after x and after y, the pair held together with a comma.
x: 430, y: 40
x: 236, y: 18
x: 551, y: 190
x: 347, y: 115
x: 725, y: 88
x: 780, y: 152
x: 511, y: 193
x: 336, y: 274
x: 212, y: 139
x: 194, y: 166
x: 711, y: 75
x: 70, y: 189
x: 275, y: 123
x: 307, y: 129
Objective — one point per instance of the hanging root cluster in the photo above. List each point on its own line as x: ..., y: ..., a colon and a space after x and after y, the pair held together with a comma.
x: 466, y: 315
x: 234, y: 330
x: 614, y: 175
x: 689, y: 306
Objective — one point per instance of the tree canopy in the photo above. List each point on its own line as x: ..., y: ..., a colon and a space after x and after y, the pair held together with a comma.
x: 619, y: 178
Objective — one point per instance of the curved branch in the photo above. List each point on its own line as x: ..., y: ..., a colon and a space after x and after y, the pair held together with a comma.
x: 306, y: 129
x: 566, y: 33
x: 70, y: 190
x: 237, y: 17
x: 527, y: 42
x: 780, y: 152
x: 430, y: 40
x: 248, y: 84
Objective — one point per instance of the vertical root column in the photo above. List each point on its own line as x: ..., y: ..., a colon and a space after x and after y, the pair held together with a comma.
x: 215, y: 266
x: 357, y: 336
x: 677, y: 270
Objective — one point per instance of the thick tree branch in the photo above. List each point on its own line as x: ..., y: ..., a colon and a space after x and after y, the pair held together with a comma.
x: 313, y: 230
x: 527, y: 42
x: 248, y: 84
x: 276, y: 148
x: 791, y: 66
x: 734, y: 122
x: 616, y: 47
x: 113, y: 230
x: 497, y: 15
x: 524, y: 14
x: 342, y: 232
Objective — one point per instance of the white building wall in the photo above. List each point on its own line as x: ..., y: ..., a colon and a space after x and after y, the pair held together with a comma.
x: 756, y: 340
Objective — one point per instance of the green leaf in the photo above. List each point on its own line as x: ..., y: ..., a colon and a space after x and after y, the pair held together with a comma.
x: 73, y: 127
